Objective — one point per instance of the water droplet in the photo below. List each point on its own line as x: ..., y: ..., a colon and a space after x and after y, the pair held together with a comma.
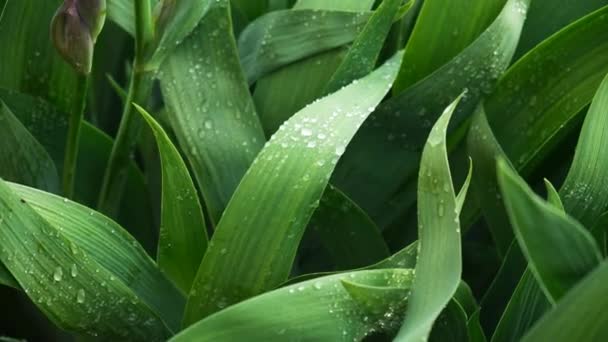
x: 58, y: 274
x: 306, y: 132
x: 74, y: 271
x: 80, y: 296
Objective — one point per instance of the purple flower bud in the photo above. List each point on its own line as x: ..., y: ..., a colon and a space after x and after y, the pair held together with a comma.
x: 74, y: 29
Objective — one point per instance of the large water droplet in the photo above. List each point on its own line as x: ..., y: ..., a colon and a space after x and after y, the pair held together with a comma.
x: 80, y: 296
x: 58, y: 274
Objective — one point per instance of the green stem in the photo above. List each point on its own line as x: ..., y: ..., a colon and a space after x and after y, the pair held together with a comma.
x: 73, y: 139
x: 130, y: 127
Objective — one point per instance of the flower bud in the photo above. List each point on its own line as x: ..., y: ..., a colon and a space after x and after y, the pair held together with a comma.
x: 74, y: 29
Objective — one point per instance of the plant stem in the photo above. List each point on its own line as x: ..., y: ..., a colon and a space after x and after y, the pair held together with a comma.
x: 73, y: 139
x: 116, y: 173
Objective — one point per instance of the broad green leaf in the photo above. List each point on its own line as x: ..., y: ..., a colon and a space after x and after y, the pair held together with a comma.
x: 350, y: 237
x: 22, y: 157
x: 573, y: 63
x: 553, y: 196
x: 111, y: 247
x: 440, y: 33
x: 439, y: 265
x: 547, y: 17
x: 31, y: 65
x: 49, y: 127
x: 262, y: 45
x: 347, y: 306
x: 65, y: 282
x: 183, y: 235
x: 280, y: 192
x: 210, y: 108
x: 526, y: 305
x: 362, y: 56
x: 393, y: 138
x: 580, y: 316
x: 584, y: 190
x: 2, y: 8
x: 541, y: 229
x: 280, y: 94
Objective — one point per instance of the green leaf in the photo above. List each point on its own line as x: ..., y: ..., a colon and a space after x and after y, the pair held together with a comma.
x: 122, y: 12
x: 584, y: 190
x: 528, y: 130
x: 476, y: 333
x: 111, y: 247
x: 440, y: 34
x: 183, y: 234
x: 526, y: 305
x: 439, y: 264
x: 262, y: 44
x: 393, y: 138
x: 363, y: 55
x: 280, y: 94
x: 175, y: 21
x: 553, y: 196
x: 22, y: 157
x: 451, y: 325
x: 350, y: 237
x: 215, y: 120
x: 546, y: 18
x: 281, y: 196
x: 347, y: 306
x: 49, y: 127
x: 31, y: 65
x: 464, y: 190
x: 541, y: 229
x: 580, y: 316
x: 64, y: 281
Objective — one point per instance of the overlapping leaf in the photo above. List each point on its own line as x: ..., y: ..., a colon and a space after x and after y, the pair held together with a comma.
x: 279, y: 193
x: 183, y: 236
x: 439, y: 264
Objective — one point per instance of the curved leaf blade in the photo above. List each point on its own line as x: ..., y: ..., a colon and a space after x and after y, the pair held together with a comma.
x: 281, y: 197
x: 332, y: 308
x: 183, y: 233
x: 439, y: 265
x: 541, y: 229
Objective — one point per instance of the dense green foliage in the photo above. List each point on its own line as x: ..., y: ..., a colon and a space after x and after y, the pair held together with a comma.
x: 304, y: 170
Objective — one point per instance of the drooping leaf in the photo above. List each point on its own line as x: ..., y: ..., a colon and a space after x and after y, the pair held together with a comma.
x: 22, y: 158
x: 183, y: 234
x: 109, y: 246
x: 439, y: 265
x: 217, y: 129
x: 64, y: 281
x: 586, y: 302
x: 346, y: 306
x: 280, y: 192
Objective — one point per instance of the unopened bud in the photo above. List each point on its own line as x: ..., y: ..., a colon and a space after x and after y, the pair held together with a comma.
x: 74, y: 30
